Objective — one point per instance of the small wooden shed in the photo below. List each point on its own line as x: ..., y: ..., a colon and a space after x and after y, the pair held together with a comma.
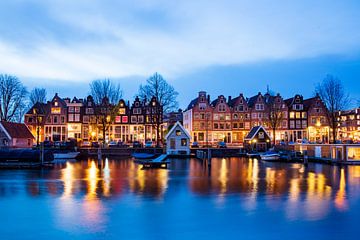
x: 178, y: 140
x: 258, y: 139
x: 15, y: 135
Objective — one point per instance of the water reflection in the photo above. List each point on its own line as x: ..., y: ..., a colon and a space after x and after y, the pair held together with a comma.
x: 81, y: 187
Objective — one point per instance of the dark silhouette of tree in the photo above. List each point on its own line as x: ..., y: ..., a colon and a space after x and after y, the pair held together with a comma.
x: 12, y: 95
x: 333, y: 94
x: 165, y: 95
x: 275, y: 116
x: 37, y: 95
x: 106, y: 96
x: 100, y: 89
x: 156, y: 86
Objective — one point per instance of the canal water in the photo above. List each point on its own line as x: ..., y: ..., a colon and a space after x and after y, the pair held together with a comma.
x: 236, y: 199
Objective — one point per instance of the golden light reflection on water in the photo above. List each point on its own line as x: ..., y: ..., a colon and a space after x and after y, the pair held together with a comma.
x: 302, y: 192
x: 340, y: 199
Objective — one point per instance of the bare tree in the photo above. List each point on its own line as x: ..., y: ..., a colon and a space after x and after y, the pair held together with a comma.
x: 156, y: 86
x: 274, y: 108
x: 37, y: 95
x: 12, y: 95
x: 106, y: 96
x: 332, y: 92
x: 165, y: 95
x: 100, y: 89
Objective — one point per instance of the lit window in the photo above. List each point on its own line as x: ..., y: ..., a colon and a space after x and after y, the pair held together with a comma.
x: 55, y: 110
x: 178, y: 133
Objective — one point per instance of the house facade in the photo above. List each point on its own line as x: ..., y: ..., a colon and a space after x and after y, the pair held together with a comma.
x: 230, y: 119
x: 63, y: 118
x: 178, y: 140
x: 349, y: 125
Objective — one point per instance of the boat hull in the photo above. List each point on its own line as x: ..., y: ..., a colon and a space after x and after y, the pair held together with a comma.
x: 270, y: 157
x: 69, y: 155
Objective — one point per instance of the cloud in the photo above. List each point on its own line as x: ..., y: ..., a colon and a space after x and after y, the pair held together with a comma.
x: 82, y: 40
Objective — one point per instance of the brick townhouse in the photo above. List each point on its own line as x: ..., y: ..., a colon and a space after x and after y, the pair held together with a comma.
x: 62, y: 118
x: 231, y: 119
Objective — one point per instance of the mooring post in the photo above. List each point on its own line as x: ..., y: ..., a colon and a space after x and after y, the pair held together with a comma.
x: 99, y: 154
x: 306, y: 158
x: 209, y: 157
x: 42, y: 153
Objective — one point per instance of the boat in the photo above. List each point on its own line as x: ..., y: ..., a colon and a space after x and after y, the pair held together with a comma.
x: 66, y: 155
x: 159, y: 162
x: 143, y: 155
x: 270, y: 156
x: 253, y: 154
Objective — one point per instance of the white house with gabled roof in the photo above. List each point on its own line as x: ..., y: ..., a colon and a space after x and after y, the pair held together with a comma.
x: 178, y: 140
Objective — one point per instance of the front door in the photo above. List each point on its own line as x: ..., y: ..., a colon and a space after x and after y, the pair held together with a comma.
x: 172, y: 143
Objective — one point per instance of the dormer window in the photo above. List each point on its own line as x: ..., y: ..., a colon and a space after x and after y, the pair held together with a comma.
x: 202, y: 106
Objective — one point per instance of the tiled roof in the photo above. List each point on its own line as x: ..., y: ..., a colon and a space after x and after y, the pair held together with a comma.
x: 252, y: 132
x: 233, y: 101
x: 289, y: 101
x: 17, y: 130
x: 41, y: 108
x: 213, y: 103
x: 307, y: 102
x: 252, y: 100
x: 192, y: 104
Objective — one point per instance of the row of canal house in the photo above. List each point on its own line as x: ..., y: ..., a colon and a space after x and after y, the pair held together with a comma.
x: 231, y: 119
x: 62, y: 118
x: 349, y: 125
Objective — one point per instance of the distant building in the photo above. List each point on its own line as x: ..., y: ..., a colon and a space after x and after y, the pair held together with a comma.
x: 62, y: 118
x: 172, y: 117
x: 230, y: 119
x: 178, y: 140
x: 349, y: 125
x: 15, y: 135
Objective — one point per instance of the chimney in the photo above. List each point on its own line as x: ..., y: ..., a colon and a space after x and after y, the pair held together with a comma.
x: 229, y: 99
x: 208, y: 98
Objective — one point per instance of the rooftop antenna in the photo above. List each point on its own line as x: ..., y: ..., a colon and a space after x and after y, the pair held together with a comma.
x: 267, y: 89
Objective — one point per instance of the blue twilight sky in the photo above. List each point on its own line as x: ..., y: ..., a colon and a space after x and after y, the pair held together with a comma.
x: 223, y: 47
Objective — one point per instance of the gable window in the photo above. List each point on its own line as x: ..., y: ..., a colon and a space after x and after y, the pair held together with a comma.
x: 122, y: 111
x: 178, y: 133
x: 89, y: 111
x: 259, y: 106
